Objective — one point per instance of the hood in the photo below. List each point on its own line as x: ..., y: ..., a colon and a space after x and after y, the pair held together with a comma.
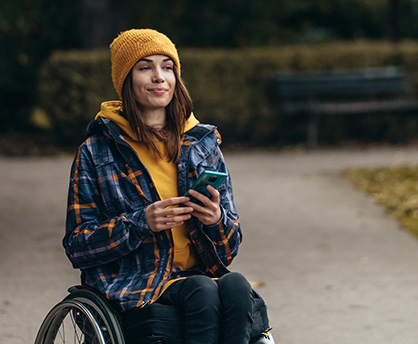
x: 112, y: 110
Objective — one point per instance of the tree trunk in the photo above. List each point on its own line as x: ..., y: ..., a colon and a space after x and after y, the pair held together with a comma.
x: 394, y: 15
x: 101, y: 21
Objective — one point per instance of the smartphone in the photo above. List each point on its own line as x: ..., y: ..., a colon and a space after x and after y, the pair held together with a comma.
x: 213, y: 178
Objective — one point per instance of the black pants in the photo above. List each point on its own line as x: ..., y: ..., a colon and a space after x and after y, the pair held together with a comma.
x: 214, y: 311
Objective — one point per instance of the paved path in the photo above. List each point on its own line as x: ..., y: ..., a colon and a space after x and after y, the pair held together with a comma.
x: 336, y: 269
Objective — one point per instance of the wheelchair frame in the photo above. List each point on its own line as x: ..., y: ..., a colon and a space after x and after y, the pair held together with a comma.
x: 86, y: 317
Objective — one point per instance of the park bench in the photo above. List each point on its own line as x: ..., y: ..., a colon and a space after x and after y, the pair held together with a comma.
x: 375, y: 90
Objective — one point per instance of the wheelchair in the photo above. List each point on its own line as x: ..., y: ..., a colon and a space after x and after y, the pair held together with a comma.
x: 86, y: 317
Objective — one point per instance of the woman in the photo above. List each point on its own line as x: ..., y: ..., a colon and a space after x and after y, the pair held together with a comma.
x: 129, y: 228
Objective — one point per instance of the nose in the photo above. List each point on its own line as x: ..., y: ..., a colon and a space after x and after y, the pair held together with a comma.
x: 158, y: 76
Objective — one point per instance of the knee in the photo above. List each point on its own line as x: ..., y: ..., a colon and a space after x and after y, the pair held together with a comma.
x: 202, y: 288
x: 235, y: 282
x: 235, y: 291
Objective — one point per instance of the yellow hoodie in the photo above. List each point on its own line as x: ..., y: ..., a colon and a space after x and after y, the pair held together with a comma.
x: 163, y: 174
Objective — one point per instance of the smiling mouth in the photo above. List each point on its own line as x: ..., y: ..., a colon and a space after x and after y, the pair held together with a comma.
x: 158, y: 90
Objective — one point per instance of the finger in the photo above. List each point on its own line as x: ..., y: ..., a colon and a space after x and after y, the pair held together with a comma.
x: 169, y: 202
x: 208, y: 218
x: 200, y: 197
x: 191, y: 204
x: 213, y: 192
x: 204, y: 210
x: 176, y: 211
x: 177, y: 219
x: 168, y: 223
x: 163, y: 220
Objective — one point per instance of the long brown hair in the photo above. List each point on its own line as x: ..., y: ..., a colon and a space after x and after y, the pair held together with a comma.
x: 177, y: 112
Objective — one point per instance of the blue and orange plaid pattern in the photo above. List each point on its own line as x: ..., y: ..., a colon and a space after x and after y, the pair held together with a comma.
x: 107, y: 235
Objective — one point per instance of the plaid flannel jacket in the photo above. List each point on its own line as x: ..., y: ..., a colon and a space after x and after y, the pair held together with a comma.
x: 107, y: 235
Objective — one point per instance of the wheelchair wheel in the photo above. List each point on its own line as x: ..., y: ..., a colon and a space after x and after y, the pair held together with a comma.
x: 81, y: 318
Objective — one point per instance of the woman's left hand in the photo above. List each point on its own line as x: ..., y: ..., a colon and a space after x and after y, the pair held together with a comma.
x: 210, y: 212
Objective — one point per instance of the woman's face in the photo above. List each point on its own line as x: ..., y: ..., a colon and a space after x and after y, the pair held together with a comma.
x: 153, y: 81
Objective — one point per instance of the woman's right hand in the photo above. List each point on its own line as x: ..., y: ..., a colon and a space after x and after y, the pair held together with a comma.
x: 167, y: 214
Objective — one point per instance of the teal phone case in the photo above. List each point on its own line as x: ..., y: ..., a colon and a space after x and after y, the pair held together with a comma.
x: 213, y: 178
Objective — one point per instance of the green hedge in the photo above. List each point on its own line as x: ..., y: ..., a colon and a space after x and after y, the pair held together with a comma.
x: 233, y: 89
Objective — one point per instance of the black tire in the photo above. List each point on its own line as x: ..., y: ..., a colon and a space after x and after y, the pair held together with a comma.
x: 81, y: 318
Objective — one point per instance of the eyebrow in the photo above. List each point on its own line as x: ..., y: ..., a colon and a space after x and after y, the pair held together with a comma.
x: 151, y: 61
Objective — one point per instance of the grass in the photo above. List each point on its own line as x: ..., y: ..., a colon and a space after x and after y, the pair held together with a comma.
x: 395, y: 188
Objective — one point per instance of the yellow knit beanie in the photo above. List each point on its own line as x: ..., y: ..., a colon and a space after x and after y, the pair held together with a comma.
x: 132, y: 45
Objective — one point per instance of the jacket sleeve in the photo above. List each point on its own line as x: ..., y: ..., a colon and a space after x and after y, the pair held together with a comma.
x: 91, y: 238
x: 226, y: 235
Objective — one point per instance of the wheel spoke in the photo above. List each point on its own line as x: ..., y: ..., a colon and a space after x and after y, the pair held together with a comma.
x: 79, y: 320
x: 77, y: 338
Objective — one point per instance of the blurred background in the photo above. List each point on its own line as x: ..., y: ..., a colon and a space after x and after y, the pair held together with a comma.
x: 55, y: 64
x: 342, y: 272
